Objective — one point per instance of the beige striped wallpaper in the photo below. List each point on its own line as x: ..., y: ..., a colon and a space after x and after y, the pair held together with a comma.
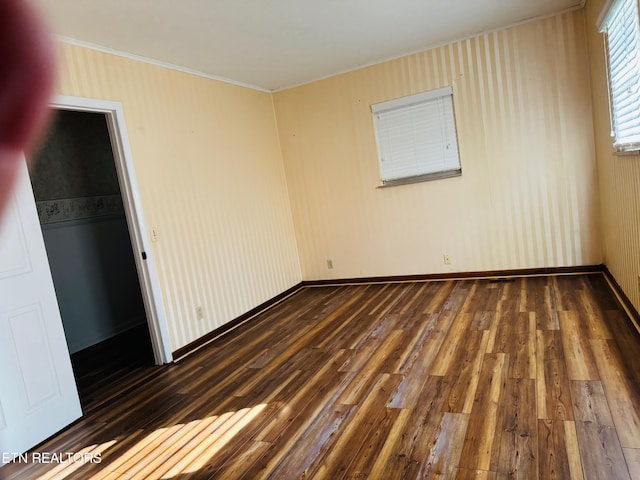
x: 210, y: 172
x: 619, y: 176
x: 528, y: 196
x: 237, y: 225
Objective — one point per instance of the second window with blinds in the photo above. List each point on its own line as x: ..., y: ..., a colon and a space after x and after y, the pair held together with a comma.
x: 416, y: 138
x: 620, y: 22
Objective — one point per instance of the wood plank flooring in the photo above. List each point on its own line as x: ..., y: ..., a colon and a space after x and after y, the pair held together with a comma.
x: 112, y: 367
x: 535, y: 377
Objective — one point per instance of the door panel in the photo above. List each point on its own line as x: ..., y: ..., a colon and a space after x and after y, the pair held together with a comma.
x: 37, y: 375
x: 38, y: 395
x: 14, y: 258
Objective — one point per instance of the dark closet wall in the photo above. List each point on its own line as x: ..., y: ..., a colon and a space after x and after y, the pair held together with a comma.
x: 85, y: 231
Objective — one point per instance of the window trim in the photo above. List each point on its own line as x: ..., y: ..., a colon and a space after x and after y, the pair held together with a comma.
x: 627, y: 148
x: 408, y: 101
x: 411, y: 99
x: 427, y: 177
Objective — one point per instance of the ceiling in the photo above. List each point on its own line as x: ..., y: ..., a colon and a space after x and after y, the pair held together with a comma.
x: 275, y: 44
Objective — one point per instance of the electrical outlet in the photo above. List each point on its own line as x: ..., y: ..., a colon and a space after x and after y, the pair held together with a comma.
x: 447, y: 258
x: 199, y: 312
x: 329, y: 264
x: 154, y: 235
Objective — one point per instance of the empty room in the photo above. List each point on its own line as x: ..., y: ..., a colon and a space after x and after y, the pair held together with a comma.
x: 368, y: 239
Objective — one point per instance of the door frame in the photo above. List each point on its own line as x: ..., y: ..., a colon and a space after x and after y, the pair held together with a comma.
x: 138, y: 232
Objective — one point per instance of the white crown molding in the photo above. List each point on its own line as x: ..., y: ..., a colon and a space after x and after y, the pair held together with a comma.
x: 139, y: 58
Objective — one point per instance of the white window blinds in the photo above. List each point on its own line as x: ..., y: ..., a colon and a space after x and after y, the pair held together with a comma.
x: 416, y: 137
x: 620, y: 22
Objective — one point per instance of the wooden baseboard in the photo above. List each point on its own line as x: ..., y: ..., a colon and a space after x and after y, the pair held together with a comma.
x: 196, y: 344
x: 460, y: 275
x: 626, y: 303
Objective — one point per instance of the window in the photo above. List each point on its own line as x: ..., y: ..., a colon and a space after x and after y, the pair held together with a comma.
x: 416, y: 137
x: 619, y: 21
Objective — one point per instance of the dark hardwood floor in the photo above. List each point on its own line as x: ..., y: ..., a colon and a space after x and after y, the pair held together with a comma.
x: 112, y: 367
x: 527, y: 378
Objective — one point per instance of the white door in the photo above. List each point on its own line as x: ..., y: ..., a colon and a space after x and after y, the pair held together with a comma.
x: 38, y: 394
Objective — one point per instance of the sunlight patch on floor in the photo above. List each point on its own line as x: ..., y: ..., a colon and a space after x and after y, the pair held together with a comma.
x: 172, y: 451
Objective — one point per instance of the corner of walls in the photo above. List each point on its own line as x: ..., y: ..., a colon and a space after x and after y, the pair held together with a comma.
x: 288, y: 190
x: 525, y: 198
x: 210, y: 174
x: 591, y: 79
x: 618, y: 176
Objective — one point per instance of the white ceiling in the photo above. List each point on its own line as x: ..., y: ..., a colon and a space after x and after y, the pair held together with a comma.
x: 274, y: 44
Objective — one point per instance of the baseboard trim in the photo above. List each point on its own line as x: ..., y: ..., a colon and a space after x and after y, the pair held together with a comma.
x: 197, y: 344
x: 108, y: 344
x: 109, y: 334
x: 626, y: 304
x: 527, y: 272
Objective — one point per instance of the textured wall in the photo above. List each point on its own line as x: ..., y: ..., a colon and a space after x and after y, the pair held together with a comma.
x: 73, y: 173
x: 212, y: 183
x: 528, y: 194
x: 619, y: 176
x: 75, y: 158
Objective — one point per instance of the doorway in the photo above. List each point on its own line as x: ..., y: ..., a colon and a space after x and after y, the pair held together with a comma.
x: 38, y: 394
x: 147, y: 322
x: 85, y: 231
